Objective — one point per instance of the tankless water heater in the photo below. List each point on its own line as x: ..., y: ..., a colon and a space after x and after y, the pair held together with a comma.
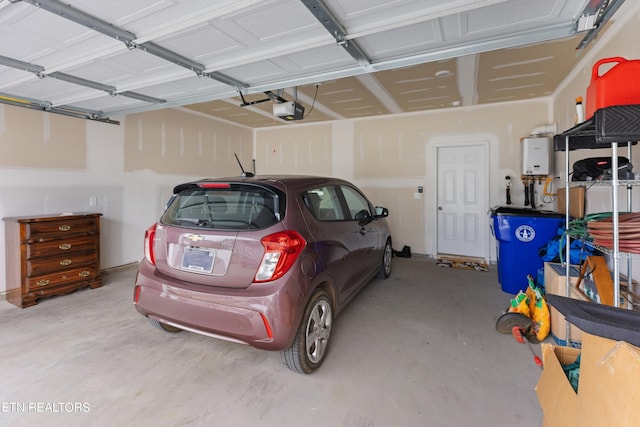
x: 536, y: 155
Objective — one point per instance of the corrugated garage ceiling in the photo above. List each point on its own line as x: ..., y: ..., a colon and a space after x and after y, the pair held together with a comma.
x: 356, y: 58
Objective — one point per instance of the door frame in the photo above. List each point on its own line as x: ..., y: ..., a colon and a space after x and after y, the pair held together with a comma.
x: 432, y: 205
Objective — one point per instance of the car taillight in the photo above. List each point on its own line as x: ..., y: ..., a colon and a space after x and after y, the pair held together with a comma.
x: 149, y: 237
x: 280, y: 252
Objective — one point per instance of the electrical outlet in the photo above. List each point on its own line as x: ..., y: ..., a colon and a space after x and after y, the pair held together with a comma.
x: 93, y: 201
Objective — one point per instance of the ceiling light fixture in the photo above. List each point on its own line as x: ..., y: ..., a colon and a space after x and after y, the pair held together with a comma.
x: 443, y: 73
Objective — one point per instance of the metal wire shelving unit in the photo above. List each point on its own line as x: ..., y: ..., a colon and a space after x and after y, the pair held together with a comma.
x: 610, y: 127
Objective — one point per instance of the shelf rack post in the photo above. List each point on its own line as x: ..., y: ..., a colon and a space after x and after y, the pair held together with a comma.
x: 615, y: 218
x: 628, y: 255
x: 567, y: 246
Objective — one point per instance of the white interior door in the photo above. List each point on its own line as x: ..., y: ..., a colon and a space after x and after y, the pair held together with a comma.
x: 462, y: 188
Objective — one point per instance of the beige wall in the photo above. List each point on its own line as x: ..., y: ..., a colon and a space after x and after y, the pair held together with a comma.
x: 304, y: 149
x: 52, y: 164
x: 31, y: 139
x: 181, y: 142
x: 390, y: 156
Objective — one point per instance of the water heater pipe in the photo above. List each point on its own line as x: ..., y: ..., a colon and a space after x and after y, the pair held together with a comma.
x: 545, y: 129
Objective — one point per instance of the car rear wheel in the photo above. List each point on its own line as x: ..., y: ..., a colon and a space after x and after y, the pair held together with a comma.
x: 164, y: 326
x: 310, y: 345
x: 387, y: 254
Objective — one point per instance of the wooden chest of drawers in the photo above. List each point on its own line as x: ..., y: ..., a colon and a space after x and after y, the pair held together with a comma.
x: 51, y: 255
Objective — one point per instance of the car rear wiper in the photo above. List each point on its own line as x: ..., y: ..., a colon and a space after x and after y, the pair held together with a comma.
x: 195, y: 221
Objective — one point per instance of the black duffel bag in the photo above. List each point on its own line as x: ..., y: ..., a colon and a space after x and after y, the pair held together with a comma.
x: 594, y: 168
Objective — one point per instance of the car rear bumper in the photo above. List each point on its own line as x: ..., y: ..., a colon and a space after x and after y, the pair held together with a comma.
x: 221, y: 314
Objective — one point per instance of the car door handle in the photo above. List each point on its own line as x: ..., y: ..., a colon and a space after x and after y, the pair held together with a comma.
x: 363, y: 231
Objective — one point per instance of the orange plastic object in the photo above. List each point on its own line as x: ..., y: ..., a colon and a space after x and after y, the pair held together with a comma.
x: 620, y: 85
x: 518, y: 334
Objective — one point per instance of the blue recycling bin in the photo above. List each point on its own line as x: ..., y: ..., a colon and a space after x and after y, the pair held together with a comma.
x: 520, y: 233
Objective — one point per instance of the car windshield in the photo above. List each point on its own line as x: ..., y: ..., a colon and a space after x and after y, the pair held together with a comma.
x: 238, y: 207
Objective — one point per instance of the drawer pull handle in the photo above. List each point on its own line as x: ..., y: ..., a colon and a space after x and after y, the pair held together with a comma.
x: 84, y: 273
x: 64, y: 227
x: 66, y: 262
x: 43, y: 282
x: 65, y: 246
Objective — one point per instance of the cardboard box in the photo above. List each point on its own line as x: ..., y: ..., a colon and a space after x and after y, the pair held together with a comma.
x: 555, y: 284
x: 554, y: 278
x: 576, y: 201
x: 557, y: 398
x: 609, y: 388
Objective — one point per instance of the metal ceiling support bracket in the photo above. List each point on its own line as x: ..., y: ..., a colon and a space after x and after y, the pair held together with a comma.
x: 223, y: 78
x: 182, y: 61
x: 21, y: 65
x: 277, y: 96
x: 141, y: 97
x: 35, y: 104
x: 111, y: 90
x: 170, y: 56
x: 600, y: 17
x: 97, y: 116
x: 271, y: 97
x: 84, y: 19
x: 326, y: 18
x: 41, y: 73
x: 7, y: 98
x: 129, y: 39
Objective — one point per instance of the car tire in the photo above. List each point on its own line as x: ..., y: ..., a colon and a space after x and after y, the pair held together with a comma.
x: 311, y: 343
x: 385, y: 266
x: 164, y: 326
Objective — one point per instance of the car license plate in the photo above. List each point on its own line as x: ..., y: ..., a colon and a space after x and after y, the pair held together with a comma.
x: 198, y: 259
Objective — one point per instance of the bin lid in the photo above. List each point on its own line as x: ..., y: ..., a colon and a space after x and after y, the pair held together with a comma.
x: 513, y: 211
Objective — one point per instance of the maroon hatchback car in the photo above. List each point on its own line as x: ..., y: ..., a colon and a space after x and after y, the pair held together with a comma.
x: 264, y: 261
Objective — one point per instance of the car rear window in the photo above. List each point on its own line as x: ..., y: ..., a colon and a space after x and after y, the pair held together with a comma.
x: 237, y: 207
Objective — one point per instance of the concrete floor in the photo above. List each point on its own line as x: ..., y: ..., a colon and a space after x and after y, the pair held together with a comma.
x: 418, y: 349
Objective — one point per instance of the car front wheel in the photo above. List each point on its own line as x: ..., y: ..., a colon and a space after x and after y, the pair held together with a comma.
x: 310, y: 345
x: 387, y: 254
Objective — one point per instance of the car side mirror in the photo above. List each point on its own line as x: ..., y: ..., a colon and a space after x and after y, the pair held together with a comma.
x: 363, y: 217
x: 381, y: 212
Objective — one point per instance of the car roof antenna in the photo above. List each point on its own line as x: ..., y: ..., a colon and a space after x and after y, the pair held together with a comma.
x: 244, y: 174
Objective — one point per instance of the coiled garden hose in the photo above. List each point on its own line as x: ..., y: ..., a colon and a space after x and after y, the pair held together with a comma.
x: 577, y: 229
